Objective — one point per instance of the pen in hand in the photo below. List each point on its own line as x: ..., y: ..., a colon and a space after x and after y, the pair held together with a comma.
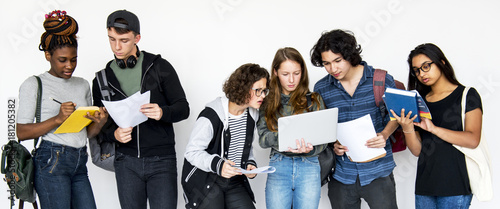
x: 55, y: 100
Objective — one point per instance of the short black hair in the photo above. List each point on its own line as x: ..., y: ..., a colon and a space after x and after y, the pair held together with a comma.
x: 340, y: 42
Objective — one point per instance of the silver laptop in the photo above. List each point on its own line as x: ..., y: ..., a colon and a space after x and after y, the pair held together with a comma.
x: 318, y: 127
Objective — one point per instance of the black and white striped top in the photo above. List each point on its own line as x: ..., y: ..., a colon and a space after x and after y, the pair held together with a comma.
x: 237, y: 128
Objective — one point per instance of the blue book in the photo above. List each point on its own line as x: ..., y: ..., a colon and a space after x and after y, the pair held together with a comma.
x: 397, y: 99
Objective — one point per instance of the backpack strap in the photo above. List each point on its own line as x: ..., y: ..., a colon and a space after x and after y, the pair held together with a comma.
x: 379, y: 85
x: 38, y: 108
x: 102, y: 81
x: 309, y: 102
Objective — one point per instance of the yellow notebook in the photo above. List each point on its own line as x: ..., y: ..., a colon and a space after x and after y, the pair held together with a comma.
x: 76, y: 121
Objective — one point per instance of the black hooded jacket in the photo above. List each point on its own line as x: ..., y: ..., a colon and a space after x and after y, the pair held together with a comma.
x: 152, y: 137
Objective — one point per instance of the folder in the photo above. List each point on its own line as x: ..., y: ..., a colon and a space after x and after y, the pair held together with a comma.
x: 76, y: 121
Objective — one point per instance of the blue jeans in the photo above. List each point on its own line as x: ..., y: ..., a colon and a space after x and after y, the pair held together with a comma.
x: 61, y: 179
x: 296, y: 182
x: 140, y: 179
x: 442, y: 202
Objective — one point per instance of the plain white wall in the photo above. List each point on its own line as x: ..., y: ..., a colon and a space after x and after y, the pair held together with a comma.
x: 206, y: 40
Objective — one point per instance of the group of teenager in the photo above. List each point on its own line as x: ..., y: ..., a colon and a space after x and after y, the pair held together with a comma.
x: 220, y: 145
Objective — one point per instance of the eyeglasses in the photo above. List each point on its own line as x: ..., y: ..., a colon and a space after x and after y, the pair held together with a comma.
x: 424, y: 68
x: 260, y: 91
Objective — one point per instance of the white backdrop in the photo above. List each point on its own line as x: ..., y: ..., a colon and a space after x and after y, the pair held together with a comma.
x: 206, y: 40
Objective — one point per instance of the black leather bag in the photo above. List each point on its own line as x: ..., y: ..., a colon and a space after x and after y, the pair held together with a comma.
x: 327, y: 163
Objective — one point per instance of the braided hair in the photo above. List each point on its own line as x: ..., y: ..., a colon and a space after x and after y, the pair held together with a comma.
x: 60, y: 31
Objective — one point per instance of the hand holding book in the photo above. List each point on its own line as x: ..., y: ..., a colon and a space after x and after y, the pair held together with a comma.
x: 410, y: 101
x: 406, y: 121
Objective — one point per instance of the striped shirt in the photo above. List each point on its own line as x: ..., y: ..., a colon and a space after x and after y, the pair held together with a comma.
x: 360, y: 104
x: 237, y: 129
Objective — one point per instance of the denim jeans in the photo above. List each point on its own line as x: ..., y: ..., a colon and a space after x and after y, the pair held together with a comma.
x: 61, y: 179
x: 140, y: 179
x: 379, y: 194
x: 442, y: 202
x: 296, y: 182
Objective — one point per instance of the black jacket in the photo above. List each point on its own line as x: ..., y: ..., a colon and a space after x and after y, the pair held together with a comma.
x: 198, y: 184
x: 152, y: 137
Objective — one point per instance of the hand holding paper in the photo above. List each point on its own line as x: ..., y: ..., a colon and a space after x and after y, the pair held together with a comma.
x: 250, y: 167
x: 376, y: 142
x: 127, y: 113
x: 354, y: 135
x: 123, y: 135
x: 152, y: 111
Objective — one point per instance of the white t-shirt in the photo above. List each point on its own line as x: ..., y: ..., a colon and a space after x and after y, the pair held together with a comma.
x: 75, y: 89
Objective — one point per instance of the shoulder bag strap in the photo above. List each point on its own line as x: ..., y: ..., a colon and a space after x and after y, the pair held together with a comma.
x: 464, y: 102
x: 38, y: 107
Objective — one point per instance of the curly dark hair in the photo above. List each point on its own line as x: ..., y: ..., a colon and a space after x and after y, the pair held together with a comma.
x: 339, y: 42
x: 237, y: 86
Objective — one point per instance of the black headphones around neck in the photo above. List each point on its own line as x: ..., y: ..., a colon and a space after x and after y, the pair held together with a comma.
x: 131, y: 60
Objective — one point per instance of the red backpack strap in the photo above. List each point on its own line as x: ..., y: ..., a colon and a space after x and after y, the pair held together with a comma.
x: 399, y: 85
x: 378, y: 85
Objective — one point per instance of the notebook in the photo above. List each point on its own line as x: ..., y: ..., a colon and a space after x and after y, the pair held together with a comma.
x: 318, y: 127
x: 76, y: 121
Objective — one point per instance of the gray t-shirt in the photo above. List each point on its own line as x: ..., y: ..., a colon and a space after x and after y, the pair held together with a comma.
x: 75, y: 89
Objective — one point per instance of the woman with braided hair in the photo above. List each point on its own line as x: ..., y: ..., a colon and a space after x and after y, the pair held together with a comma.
x: 61, y: 178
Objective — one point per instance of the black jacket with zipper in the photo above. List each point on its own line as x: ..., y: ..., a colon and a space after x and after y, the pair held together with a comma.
x: 198, y: 184
x: 152, y: 137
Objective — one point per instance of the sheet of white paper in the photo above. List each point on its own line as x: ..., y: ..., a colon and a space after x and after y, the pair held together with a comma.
x: 354, y: 134
x: 126, y: 113
x: 265, y: 169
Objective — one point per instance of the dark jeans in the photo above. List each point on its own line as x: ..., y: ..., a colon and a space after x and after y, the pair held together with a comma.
x: 228, y: 194
x: 379, y: 194
x: 61, y: 178
x: 140, y: 179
